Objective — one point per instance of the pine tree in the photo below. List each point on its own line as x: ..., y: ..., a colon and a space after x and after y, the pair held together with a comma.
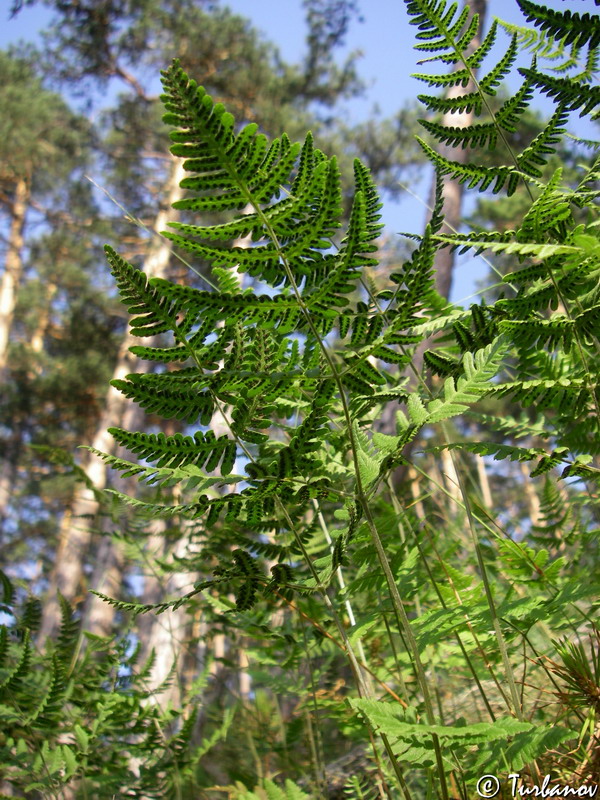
x: 42, y: 144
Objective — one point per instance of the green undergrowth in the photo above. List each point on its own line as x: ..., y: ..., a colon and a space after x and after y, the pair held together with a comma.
x: 439, y: 637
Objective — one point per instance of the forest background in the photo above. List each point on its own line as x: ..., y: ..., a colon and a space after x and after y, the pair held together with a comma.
x: 199, y: 700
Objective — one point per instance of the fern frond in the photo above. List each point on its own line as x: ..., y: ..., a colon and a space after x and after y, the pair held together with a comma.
x: 501, y: 452
x: 541, y: 251
x: 31, y: 616
x: 68, y: 635
x: 546, y: 47
x: 566, y: 26
x: 460, y: 77
x: 478, y: 372
x: 144, y: 608
x: 8, y: 590
x: 15, y: 677
x: 535, y: 155
x: 441, y: 30
x: 232, y: 171
x: 441, y: 363
x: 492, y: 80
x: 516, y: 427
x: 203, y: 450
x: 472, y: 174
x: 470, y: 103
x: 570, y: 395
x: 484, y: 134
x: 51, y: 703
x: 151, y: 312
x: 165, y: 477
x: 570, y: 93
x: 179, y: 402
x: 559, y: 330
x: 589, y: 71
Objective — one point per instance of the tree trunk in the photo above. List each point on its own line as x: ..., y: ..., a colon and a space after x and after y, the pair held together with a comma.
x: 9, y: 286
x: 36, y: 342
x: 76, y: 527
x: 453, y: 191
x: 167, y: 634
x: 13, y: 268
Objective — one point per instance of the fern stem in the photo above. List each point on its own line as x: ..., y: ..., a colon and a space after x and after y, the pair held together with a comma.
x: 464, y: 507
x: 316, y: 744
x: 407, y: 630
x: 402, y: 516
x: 361, y: 497
x: 364, y: 686
x: 510, y: 677
x: 395, y: 654
x: 342, y: 584
x: 396, y: 600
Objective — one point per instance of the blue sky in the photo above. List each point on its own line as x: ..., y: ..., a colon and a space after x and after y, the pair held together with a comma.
x: 385, y: 40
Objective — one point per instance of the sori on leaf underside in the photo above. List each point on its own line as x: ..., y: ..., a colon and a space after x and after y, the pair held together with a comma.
x: 262, y: 355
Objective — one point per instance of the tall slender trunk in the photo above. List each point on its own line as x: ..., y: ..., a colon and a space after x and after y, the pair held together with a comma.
x: 9, y: 286
x: 76, y: 528
x: 484, y: 483
x: 453, y: 191
x: 13, y: 268
x: 531, y: 496
x: 36, y: 340
x: 167, y: 635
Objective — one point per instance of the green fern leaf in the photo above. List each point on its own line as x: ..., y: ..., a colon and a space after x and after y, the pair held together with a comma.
x: 462, y: 76
x: 535, y: 155
x: 568, y: 27
x: 203, y: 450
x: 541, y: 251
x: 388, y: 719
x: 472, y: 174
x: 179, y: 402
x: 571, y: 94
x: 153, y: 313
x: 475, y: 383
x: 570, y: 395
x: 15, y: 677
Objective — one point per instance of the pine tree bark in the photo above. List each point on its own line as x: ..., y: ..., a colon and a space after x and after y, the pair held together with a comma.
x: 452, y: 193
x: 76, y: 528
x: 13, y: 268
x: 168, y: 634
x: 9, y: 286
